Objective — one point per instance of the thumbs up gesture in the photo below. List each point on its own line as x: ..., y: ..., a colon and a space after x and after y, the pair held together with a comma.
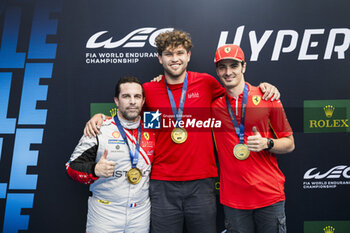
x: 104, y: 168
x: 256, y: 143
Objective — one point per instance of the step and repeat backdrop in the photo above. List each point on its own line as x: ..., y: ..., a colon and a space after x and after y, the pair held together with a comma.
x: 60, y: 60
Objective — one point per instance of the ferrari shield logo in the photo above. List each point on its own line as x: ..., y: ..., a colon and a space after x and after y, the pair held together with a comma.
x: 146, y: 135
x: 256, y: 99
x: 227, y: 49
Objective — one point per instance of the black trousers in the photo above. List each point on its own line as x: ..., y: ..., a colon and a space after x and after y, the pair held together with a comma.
x: 179, y: 204
x: 269, y: 219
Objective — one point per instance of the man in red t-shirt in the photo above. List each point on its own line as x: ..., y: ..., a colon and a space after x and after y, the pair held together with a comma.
x: 253, y: 131
x: 182, y: 180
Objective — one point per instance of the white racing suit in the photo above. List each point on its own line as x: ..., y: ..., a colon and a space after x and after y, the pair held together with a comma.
x: 116, y: 205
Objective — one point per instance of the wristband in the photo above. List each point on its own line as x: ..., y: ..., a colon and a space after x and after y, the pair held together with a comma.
x: 270, y: 144
x: 103, y: 117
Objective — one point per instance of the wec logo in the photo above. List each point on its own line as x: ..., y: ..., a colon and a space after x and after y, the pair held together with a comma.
x: 333, y: 173
x: 135, y: 39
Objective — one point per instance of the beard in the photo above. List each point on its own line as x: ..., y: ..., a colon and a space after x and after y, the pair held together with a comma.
x: 130, y: 116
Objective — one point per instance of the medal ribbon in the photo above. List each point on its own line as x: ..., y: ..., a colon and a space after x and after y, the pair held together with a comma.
x: 178, y: 113
x: 239, y: 129
x: 133, y: 157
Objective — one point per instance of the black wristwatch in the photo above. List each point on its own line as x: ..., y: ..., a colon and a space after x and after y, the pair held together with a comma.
x: 270, y: 144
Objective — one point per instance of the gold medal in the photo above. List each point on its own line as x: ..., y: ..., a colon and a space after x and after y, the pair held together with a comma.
x: 241, y: 151
x: 179, y: 135
x: 134, y: 175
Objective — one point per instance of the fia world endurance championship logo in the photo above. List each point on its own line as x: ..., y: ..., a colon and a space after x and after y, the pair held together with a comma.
x: 122, y: 50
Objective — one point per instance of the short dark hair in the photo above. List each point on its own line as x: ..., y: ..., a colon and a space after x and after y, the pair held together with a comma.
x: 127, y: 79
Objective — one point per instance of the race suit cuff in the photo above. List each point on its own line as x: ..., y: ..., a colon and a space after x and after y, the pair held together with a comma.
x: 93, y: 170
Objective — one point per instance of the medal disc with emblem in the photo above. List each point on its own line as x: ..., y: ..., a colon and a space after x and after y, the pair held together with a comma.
x: 241, y: 151
x: 134, y: 175
x: 179, y: 135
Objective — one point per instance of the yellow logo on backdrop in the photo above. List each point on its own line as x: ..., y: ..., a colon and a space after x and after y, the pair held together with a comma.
x: 113, y: 112
x: 331, y: 123
x: 328, y: 229
x: 328, y: 110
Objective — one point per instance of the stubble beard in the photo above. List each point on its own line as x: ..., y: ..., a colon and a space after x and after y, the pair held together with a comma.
x: 130, y: 116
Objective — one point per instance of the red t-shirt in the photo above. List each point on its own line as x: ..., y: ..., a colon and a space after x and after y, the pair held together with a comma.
x: 257, y: 181
x: 194, y: 159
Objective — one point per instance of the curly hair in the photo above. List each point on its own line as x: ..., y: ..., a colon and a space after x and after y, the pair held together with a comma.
x: 173, y: 39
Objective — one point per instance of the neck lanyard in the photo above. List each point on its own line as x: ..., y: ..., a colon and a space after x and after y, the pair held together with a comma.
x: 133, y: 157
x: 178, y: 113
x: 239, y: 129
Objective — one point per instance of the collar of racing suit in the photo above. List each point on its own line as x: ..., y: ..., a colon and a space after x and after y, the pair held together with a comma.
x: 129, y: 124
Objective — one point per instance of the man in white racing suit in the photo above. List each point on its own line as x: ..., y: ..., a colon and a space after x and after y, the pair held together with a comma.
x: 117, y: 165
